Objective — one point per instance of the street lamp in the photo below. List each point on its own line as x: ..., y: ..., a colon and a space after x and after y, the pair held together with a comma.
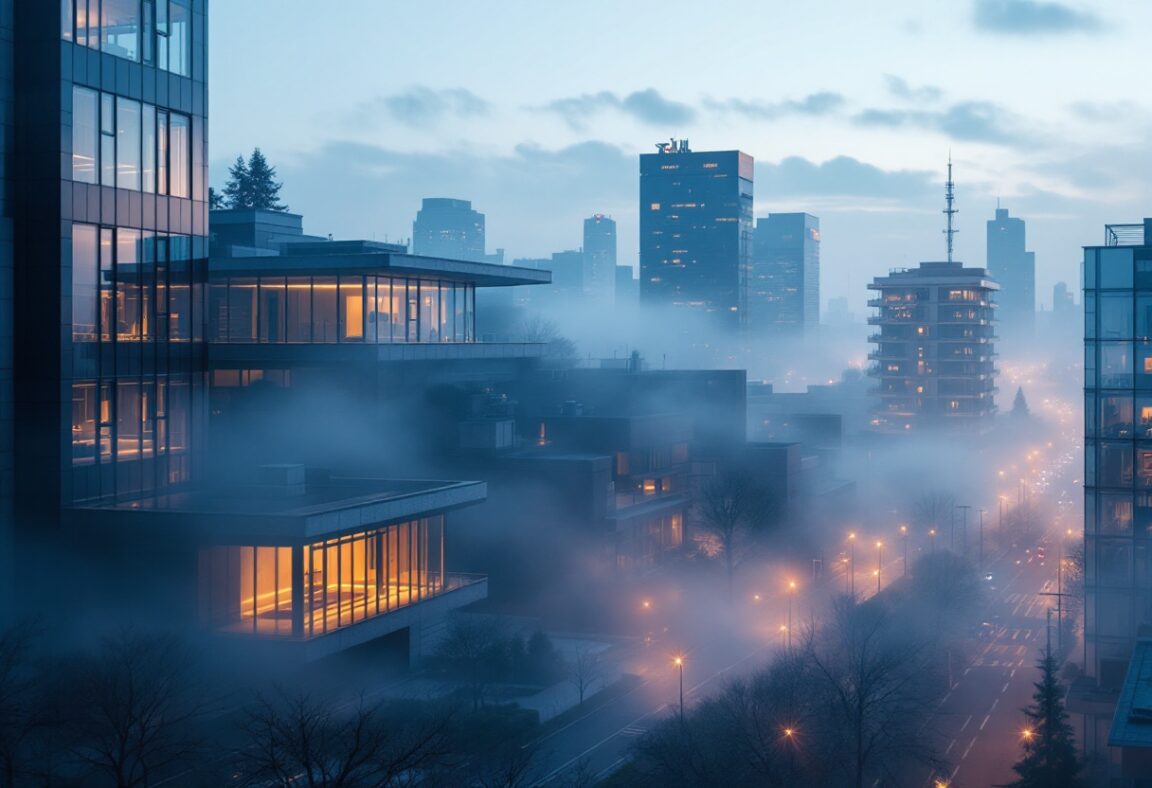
x: 791, y: 593
x: 852, y: 564
x: 904, y: 539
x: 981, y: 541
x: 680, y: 664
x: 783, y: 635
x: 879, y: 563
x: 932, y: 533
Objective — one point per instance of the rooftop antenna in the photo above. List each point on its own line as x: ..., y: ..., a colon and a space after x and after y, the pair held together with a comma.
x: 949, y: 199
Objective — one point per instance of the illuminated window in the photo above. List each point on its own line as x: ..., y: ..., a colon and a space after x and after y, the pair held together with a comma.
x: 655, y: 206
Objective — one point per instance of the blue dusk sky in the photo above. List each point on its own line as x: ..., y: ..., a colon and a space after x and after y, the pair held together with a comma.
x: 536, y: 111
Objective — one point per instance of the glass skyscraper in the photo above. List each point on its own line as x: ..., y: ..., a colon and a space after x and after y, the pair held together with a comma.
x: 448, y: 228
x: 696, y: 230
x: 599, y: 257
x: 784, y: 283
x: 1015, y: 269
x: 1117, y: 448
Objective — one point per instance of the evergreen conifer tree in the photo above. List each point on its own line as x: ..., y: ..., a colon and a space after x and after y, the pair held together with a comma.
x: 1049, y: 750
x: 238, y: 191
x: 264, y: 187
x: 1020, y: 405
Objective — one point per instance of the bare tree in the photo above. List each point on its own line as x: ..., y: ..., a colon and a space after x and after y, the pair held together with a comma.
x: 734, y: 506
x: 877, y: 677
x: 560, y: 351
x: 934, y: 509
x: 21, y: 714
x: 133, y: 710
x: 584, y: 670
x: 1022, y: 526
x: 473, y: 646
x: 296, y: 739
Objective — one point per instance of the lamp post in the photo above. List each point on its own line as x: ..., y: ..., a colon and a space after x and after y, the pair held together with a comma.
x: 981, y: 541
x: 852, y: 564
x: 783, y: 636
x: 879, y: 563
x: 964, y: 530
x: 680, y: 665
x: 791, y: 593
x: 904, y: 538
x: 932, y: 534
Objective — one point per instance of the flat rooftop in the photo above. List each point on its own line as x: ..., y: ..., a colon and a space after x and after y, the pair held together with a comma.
x: 315, y: 509
x: 1132, y: 724
x: 322, y: 259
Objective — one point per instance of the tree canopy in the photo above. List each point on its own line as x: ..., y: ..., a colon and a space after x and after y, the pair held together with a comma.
x: 1049, y: 749
x: 252, y: 185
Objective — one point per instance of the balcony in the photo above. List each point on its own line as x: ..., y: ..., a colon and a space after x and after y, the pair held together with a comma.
x: 1125, y: 234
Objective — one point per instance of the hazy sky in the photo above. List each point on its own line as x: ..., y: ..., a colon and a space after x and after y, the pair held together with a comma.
x: 537, y: 110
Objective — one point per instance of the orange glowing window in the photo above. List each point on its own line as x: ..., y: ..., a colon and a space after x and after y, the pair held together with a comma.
x: 649, y: 486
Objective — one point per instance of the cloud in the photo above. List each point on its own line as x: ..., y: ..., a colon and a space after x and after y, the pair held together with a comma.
x: 822, y: 103
x: 1030, y: 17
x: 842, y: 176
x: 967, y: 121
x: 901, y: 89
x: 647, y: 106
x: 534, y: 197
x: 422, y: 107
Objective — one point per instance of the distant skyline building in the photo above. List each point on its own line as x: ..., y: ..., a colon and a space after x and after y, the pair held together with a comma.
x: 784, y: 283
x: 935, y: 354
x: 696, y: 230
x: 627, y: 286
x: 1063, y: 303
x: 1014, y: 268
x: 600, y: 257
x: 448, y: 228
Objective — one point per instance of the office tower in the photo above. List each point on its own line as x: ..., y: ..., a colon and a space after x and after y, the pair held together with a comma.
x: 934, y: 356
x: 627, y: 286
x: 1063, y: 304
x: 1015, y: 270
x: 1118, y: 456
x: 784, y: 280
x: 105, y: 167
x: 448, y: 228
x: 696, y: 230
x: 600, y: 257
x: 111, y: 249
x: 6, y: 350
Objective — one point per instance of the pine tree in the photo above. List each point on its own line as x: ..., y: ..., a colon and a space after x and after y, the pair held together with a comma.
x: 215, y: 199
x: 1020, y: 405
x: 265, y: 189
x: 1049, y: 751
x: 238, y: 190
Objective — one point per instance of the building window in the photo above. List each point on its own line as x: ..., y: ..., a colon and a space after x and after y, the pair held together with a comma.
x: 85, y: 272
x: 121, y: 28
x: 85, y: 134
x: 179, y: 155
x: 128, y: 144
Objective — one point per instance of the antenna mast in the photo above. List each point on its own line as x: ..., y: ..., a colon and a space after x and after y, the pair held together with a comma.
x: 949, y: 199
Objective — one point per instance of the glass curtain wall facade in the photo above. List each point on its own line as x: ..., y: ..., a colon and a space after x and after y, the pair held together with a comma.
x: 784, y: 284
x: 696, y: 231
x: 1117, y: 455
x: 312, y: 589
x: 128, y: 212
x: 358, y: 308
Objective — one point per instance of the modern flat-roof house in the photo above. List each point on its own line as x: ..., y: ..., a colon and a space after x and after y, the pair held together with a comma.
x: 300, y: 565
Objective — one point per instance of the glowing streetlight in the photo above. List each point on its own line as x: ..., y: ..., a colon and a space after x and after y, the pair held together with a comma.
x: 904, y: 539
x: 680, y: 664
x: 783, y: 635
x: 791, y: 593
x: 1027, y: 734
x: 852, y: 564
x: 932, y: 533
x: 879, y: 563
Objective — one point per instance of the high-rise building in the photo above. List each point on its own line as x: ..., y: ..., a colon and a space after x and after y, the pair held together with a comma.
x: 1118, y: 455
x: 600, y: 257
x: 1014, y: 269
x: 934, y: 356
x: 627, y: 287
x: 7, y: 104
x: 1063, y: 303
x: 448, y: 228
x: 784, y: 280
x: 696, y: 230
x: 106, y: 148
